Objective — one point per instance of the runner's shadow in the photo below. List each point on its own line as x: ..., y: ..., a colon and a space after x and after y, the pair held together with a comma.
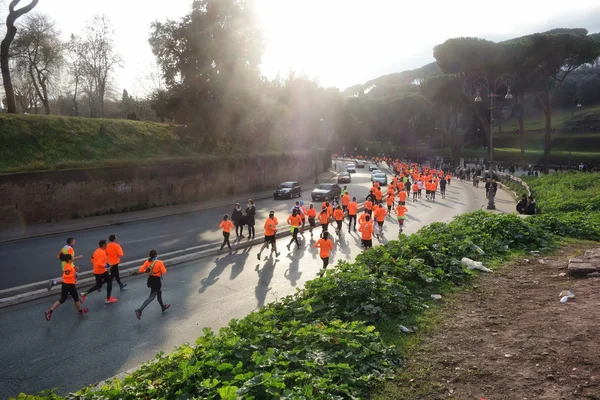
x: 293, y: 273
x: 265, y: 275
x: 240, y: 261
x: 213, y: 276
x: 343, y: 245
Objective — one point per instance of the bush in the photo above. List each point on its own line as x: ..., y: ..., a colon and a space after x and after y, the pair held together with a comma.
x: 573, y: 191
x: 577, y: 224
x: 317, y: 344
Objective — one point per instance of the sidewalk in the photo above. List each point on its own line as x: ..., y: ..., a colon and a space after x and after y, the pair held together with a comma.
x: 36, y: 230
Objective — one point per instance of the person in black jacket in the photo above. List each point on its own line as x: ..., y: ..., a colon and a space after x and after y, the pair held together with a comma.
x: 530, y: 206
x: 250, y: 218
x: 236, y: 218
x: 522, y: 205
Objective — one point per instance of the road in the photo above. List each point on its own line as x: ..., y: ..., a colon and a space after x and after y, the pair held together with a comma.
x: 37, y: 354
x: 34, y: 260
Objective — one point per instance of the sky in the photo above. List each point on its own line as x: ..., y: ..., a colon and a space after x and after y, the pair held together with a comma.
x: 337, y: 42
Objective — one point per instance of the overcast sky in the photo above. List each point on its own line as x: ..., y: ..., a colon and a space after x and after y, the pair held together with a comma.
x: 338, y: 42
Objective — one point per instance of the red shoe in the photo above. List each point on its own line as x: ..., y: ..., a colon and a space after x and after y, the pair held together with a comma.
x: 83, y: 296
x: 83, y: 312
x: 111, y: 300
x: 48, y: 315
x: 166, y: 307
x: 138, y: 314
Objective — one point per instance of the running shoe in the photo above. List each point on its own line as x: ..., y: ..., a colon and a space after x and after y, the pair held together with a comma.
x: 123, y: 286
x: 51, y: 283
x: 166, y: 307
x: 48, y: 315
x: 138, y: 314
x: 258, y: 256
x: 111, y: 300
x: 277, y: 254
x: 83, y: 312
x: 83, y: 296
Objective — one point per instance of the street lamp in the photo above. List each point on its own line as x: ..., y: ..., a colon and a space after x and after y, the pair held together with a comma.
x: 480, y: 84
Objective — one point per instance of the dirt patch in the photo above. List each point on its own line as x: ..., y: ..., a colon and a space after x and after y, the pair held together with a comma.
x: 509, y: 337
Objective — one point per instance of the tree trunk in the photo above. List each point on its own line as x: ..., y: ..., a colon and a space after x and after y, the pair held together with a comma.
x: 548, y: 135
x: 522, y: 134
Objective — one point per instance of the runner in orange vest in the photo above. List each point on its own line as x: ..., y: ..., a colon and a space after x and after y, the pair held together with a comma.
x: 338, y: 216
x: 100, y: 270
x: 325, y: 245
x: 295, y: 222
x: 324, y: 220
x: 380, y: 214
x: 69, y: 279
x: 155, y: 269
x: 312, y: 215
x: 366, y: 230
x: 401, y: 210
x: 270, y: 228
x: 352, y: 211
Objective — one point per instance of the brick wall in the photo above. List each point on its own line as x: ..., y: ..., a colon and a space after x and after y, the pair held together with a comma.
x: 56, y: 195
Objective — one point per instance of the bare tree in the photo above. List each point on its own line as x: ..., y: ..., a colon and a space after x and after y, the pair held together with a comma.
x: 98, y: 59
x: 39, y: 50
x: 11, y: 32
x: 75, y: 72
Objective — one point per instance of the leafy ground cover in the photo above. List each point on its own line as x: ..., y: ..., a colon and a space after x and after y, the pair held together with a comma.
x: 565, y: 192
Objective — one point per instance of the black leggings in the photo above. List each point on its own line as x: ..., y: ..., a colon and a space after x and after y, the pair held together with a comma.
x: 324, y: 227
x: 325, y: 262
x: 339, y: 224
x: 114, y: 273
x: 66, y: 290
x: 239, y: 228
x: 294, y: 237
x: 350, y: 219
x: 225, y: 241
x: 153, y: 294
x: 251, y: 231
x: 101, y: 279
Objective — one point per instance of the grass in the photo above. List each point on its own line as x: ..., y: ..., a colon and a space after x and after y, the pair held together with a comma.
x: 535, y: 119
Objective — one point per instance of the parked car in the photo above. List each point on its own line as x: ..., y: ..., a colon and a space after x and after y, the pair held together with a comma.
x: 326, y: 190
x: 344, y: 177
x: 351, y: 168
x: 287, y: 190
x: 372, y: 167
x: 381, y: 178
x: 360, y: 164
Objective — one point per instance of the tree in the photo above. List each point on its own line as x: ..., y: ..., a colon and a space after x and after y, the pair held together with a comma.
x: 97, y: 59
x: 39, y: 51
x: 550, y: 58
x: 11, y: 32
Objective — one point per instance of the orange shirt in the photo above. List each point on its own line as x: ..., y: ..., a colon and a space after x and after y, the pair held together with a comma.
x: 294, y: 221
x: 369, y: 205
x: 415, y: 187
x: 380, y: 214
x: 366, y: 231
x: 270, y: 225
x: 391, y: 191
x: 324, y: 247
x: 352, y: 208
x: 66, y: 250
x: 68, y: 275
x: 378, y: 194
x: 345, y: 199
x: 324, y: 218
x: 376, y: 185
x: 330, y: 210
x: 311, y: 212
x: 226, y: 226
x: 338, y: 215
x: 400, y: 186
x: 400, y: 210
x: 99, y: 260
x: 362, y: 218
x: 389, y: 200
x: 114, y: 252
x: 157, y: 270
x: 402, y: 196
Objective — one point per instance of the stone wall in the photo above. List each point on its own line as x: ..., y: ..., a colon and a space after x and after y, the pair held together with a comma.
x: 56, y: 195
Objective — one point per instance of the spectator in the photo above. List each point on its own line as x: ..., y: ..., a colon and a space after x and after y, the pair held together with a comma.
x: 236, y: 218
x: 531, y: 209
x: 522, y: 205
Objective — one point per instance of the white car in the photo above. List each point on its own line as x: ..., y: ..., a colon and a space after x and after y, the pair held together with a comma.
x: 380, y: 177
x: 351, y: 168
x: 375, y: 171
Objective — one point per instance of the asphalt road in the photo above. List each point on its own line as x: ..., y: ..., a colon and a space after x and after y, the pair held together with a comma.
x: 33, y: 260
x: 70, y: 352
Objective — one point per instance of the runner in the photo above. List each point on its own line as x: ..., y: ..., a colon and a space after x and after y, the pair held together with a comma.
x: 155, y: 270
x: 420, y: 186
x: 448, y: 179
x: 114, y: 252
x: 295, y: 221
x: 378, y: 195
x: 380, y: 214
x: 69, y: 248
x: 352, y: 211
x: 69, y: 279
x: 401, y: 210
x: 366, y: 230
x: 345, y: 201
x: 325, y: 245
x: 402, y: 197
x: 338, y: 216
x: 433, y: 189
x: 443, y: 188
x: 312, y: 215
x: 226, y: 225
x: 270, y: 232
x: 415, y: 191
x: 324, y: 220
x: 390, y: 202
x: 369, y: 207
x: 100, y: 269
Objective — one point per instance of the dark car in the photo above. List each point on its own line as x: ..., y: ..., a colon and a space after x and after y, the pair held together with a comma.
x: 372, y: 167
x: 326, y: 190
x: 344, y: 177
x: 287, y: 190
x: 360, y: 164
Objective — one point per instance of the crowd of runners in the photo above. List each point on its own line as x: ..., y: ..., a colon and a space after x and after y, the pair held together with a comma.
x: 332, y: 215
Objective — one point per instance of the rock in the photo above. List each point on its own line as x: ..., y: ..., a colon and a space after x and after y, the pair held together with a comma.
x: 589, y: 263
x: 436, y: 296
x: 550, y: 377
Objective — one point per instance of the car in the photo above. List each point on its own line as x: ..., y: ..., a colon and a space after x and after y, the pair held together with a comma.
x: 372, y: 167
x: 326, y: 191
x: 344, y: 177
x: 287, y: 190
x: 381, y: 178
x: 375, y: 171
x: 351, y: 168
x: 360, y: 164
